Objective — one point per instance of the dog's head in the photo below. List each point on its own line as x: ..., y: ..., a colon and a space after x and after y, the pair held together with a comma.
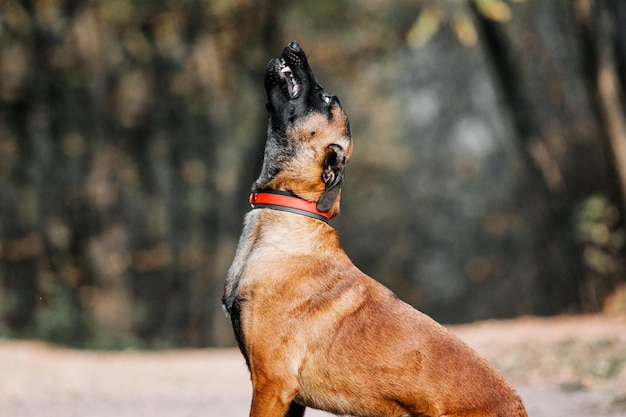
x: 308, y: 134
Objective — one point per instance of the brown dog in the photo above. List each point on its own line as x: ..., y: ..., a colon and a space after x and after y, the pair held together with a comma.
x: 314, y: 330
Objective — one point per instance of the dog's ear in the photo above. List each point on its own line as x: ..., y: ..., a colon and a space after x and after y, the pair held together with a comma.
x: 334, y: 165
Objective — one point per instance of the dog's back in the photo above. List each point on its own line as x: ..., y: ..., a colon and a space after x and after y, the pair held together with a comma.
x: 400, y: 361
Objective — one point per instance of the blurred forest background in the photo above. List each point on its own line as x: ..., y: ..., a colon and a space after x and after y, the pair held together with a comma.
x: 488, y: 178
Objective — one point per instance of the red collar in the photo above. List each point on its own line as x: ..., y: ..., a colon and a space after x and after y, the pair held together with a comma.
x: 287, y: 201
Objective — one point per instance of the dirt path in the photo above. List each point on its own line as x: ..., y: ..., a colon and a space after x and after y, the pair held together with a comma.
x: 562, y: 367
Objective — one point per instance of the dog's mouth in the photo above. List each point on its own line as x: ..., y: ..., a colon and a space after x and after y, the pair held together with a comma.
x: 292, y: 89
x: 288, y: 81
x: 290, y: 73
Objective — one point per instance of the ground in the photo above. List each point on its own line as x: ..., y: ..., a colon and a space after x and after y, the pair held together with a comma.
x: 564, y: 366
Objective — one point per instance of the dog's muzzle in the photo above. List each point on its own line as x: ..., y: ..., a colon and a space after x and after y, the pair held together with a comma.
x: 290, y: 72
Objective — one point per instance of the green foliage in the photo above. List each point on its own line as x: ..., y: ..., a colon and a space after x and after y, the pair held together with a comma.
x: 597, y: 227
x: 456, y: 14
x: 58, y: 320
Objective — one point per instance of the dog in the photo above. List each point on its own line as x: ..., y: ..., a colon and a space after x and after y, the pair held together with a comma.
x: 314, y: 330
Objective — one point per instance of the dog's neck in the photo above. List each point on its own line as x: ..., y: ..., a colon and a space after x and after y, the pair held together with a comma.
x: 286, y: 201
x: 270, y: 237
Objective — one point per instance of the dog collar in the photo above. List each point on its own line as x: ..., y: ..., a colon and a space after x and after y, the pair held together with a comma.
x: 287, y: 201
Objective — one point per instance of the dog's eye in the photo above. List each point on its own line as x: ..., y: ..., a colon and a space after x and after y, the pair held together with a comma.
x: 326, y: 98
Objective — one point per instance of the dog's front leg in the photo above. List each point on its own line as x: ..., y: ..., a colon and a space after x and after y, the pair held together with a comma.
x: 272, y: 401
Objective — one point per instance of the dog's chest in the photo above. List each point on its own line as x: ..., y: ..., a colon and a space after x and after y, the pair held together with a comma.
x: 265, y: 243
x: 249, y: 236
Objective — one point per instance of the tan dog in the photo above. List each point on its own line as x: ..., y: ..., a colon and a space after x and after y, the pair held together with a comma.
x: 314, y: 330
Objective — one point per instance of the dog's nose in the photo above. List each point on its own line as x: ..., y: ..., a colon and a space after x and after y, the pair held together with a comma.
x: 295, y: 46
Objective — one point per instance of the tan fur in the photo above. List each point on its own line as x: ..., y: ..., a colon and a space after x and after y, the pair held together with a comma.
x: 320, y: 333
x: 302, y: 174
